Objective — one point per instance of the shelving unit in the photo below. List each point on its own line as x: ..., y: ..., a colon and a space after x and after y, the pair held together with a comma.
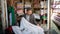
x: 35, y: 4
x: 55, y: 6
x: 38, y: 6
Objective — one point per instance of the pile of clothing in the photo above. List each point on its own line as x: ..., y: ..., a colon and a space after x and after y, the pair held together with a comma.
x: 56, y: 18
x: 55, y: 24
x: 27, y: 28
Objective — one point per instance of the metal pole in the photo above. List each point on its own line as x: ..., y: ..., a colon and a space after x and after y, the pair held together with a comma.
x: 6, y: 13
x: 48, y: 18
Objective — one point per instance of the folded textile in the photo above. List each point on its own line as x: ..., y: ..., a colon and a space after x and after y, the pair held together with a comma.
x: 28, y: 28
x: 56, y: 18
x: 16, y: 29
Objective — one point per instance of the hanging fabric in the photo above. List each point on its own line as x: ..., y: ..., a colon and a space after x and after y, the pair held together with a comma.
x: 11, y: 10
x: 10, y: 16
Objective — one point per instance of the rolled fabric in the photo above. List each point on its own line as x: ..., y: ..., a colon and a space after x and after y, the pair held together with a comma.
x: 56, y: 19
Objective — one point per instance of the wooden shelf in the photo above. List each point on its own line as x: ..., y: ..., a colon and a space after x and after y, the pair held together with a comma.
x: 39, y: 8
x: 36, y: 7
x: 36, y: 3
x: 56, y: 8
x: 43, y: 0
x: 43, y: 8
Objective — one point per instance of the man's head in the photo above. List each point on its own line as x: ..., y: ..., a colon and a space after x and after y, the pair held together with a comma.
x: 20, y: 11
x: 29, y: 11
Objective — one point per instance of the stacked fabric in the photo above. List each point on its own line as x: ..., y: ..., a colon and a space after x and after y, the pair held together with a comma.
x: 27, y: 28
x: 56, y: 18
x: 55, y: 24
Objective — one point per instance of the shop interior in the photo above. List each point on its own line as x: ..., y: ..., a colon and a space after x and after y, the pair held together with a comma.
x: 39, y: 7
x: 42, y: 11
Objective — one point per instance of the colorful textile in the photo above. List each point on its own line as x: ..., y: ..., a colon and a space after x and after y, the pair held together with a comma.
x: 11, y: 10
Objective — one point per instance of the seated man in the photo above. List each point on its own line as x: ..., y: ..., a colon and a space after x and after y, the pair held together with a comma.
x: 30, y: 17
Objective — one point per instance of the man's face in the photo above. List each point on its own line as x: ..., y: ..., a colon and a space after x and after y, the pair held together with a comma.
x: 20, y: 12
x: 29, y: 12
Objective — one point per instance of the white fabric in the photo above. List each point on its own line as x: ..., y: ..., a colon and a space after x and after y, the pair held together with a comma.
x: 36, y: 16
x: 10, y: 16
x: 16, y: 30
x: 54, y: 17
x: 28, y: 28
x: 27, y: 17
